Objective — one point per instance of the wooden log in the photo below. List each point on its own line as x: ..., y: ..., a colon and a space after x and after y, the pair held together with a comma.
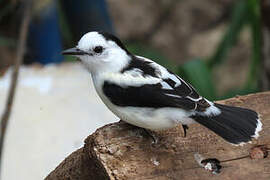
x: 120, y: 151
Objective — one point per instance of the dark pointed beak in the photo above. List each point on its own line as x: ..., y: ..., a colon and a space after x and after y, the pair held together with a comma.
x: 73, y: 51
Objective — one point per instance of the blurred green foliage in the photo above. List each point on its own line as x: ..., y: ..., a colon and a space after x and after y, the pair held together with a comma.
x: 5, y: 41
x: 146, y: 51
x: 199, y: 71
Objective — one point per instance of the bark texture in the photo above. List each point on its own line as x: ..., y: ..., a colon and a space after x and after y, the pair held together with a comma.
x: 120, y: 151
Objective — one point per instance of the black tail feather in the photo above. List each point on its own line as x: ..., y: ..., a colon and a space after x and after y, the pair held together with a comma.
x: 234, y: 124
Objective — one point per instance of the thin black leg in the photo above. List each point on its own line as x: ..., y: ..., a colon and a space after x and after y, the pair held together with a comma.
x: 151, y: 135
x: 185, y: 127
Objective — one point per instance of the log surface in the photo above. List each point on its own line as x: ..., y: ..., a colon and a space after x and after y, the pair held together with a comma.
x: 120, y: 151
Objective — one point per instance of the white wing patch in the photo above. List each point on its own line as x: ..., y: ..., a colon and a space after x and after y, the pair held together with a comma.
x: 135, y: 72
x: 193, y: 99
x: 166, y: 85
x: 146, y: 59
x: 164, y: 74
x: 173, y: 95
x: 128, y: 79
x: 174, y: 78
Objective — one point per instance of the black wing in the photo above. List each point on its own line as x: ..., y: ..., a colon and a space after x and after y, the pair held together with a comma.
x: 166, y: 93
x: 153, y: 96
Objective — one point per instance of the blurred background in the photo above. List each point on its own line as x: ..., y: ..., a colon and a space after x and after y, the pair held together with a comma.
x: 220, y: 47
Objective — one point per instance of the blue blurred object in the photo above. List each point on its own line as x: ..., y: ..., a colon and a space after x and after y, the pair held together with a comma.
x: 87, y: 15
x: 44, y: 41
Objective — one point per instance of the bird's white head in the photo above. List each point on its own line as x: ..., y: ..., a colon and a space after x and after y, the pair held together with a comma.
x: 100, y: 51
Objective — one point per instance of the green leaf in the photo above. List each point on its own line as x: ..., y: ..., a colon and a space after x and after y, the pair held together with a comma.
x: 197, y: 73
x: 238, y: 19
x: 64, y: 26
x: 233, y: 93
x: 255, y: 25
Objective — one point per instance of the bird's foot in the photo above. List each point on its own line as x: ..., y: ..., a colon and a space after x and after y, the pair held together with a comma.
x: 185, y: 127
x: 121, y: 121
x: 147, y: 132
x: 152, y: 135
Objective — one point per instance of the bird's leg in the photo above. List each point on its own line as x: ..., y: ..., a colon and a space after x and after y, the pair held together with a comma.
x: 185, y: 127
x: 121, y: 121
x: 151, y: 135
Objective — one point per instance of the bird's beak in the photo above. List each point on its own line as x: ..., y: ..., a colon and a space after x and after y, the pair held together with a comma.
x: 73, y: 51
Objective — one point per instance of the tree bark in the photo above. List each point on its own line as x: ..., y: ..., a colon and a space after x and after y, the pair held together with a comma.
x: 120, y: 151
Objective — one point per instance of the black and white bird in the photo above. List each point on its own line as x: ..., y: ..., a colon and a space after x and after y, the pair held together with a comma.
x: 145, y: 94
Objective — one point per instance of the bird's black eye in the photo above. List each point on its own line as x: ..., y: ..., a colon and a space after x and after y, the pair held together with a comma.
x: 98, y: 49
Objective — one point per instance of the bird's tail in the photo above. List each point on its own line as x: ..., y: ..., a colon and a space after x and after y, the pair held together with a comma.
x: 234, y: 124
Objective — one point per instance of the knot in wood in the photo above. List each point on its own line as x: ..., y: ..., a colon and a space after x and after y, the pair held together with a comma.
x: 258, y: 152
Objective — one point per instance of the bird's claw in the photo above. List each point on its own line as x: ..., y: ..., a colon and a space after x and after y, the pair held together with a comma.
x: 151, y: 135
